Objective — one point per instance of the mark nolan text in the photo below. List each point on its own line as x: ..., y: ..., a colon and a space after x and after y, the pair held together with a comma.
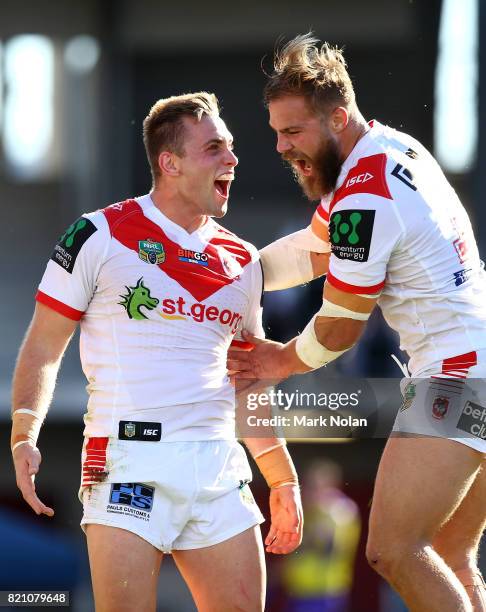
x: 334, y: 420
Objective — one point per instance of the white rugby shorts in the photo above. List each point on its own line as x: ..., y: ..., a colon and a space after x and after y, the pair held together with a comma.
x: 175, y: 495
x: 447, y: 400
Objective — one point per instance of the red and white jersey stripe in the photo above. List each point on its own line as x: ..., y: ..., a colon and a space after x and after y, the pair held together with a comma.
x: 158, y: 309
x: 397, y: 228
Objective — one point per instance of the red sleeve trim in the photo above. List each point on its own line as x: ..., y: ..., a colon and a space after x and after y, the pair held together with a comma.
x: 246, y: 346
x: 60, y: 307
x: 338, y: 284
x: 322, y: 212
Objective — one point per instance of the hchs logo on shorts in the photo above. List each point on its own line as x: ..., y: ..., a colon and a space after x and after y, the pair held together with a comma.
x: 131, y: 498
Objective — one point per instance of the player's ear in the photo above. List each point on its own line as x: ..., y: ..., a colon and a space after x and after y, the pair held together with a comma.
x: 339, y: 119
x: 169, y: 163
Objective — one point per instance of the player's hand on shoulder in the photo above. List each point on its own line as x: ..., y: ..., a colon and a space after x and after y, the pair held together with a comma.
x: 27, y: 459
x: 287, y: 520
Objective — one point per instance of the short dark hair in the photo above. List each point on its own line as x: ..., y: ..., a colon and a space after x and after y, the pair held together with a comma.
x: 163, y: 127
x: 303, y: 68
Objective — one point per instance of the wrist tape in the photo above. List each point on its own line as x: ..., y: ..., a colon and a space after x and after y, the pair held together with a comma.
x: 276, y: 466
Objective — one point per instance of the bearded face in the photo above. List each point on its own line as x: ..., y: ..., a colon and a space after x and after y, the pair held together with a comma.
x: 306, y: 142
x: 317, y: 174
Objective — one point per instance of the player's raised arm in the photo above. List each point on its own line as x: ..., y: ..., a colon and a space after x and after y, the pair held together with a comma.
x: 33, y: 385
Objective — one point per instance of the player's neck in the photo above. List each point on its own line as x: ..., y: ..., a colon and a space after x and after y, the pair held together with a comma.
x: 355, y: 130
x: 178, y: 212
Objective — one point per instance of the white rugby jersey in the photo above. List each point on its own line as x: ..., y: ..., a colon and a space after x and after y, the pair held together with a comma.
x: 397, y: 228
x: 158, y: 309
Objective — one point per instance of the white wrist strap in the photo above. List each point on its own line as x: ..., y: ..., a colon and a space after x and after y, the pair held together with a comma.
x: 27, y: 411
x: 22, y: 442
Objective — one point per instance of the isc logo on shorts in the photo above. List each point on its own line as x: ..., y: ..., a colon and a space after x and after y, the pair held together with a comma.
x: 135, y: 498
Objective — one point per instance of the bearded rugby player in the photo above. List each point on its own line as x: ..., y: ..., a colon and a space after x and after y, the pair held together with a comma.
x: 160, y: 290
x: 401, y: 238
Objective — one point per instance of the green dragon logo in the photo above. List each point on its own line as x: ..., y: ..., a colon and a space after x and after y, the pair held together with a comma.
x: 137, y: 297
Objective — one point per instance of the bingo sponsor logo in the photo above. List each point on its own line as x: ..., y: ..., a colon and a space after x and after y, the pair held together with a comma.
x: 473, y: 420
x: 193, y: 257
x: 179, y: 309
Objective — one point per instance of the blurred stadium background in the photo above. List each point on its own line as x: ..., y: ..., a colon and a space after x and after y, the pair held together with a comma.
x: 76, y: 80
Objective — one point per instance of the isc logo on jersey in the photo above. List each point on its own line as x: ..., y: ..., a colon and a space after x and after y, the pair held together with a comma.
x: 360, y: 178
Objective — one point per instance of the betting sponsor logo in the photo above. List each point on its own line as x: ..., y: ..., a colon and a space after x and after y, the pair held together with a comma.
x: 131, y: 499
x: 440, y: 406
x: 151, y: 252
x: 350, y: 233
x: 67, y: 249
x: 473, y: 420
x: 193, y: 257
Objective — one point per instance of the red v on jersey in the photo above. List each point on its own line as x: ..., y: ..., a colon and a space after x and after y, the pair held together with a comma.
x: 368, y: 176
x: 129, y: 225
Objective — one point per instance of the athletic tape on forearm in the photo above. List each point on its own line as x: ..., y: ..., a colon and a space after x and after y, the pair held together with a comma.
x: 26, y: 426
x: 285, y: 266
x: 276, y: 467
x: 309, y: 350
x: 328, y: 309
x: 287, y: 263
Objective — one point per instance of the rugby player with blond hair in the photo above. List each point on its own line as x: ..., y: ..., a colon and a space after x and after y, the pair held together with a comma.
x: 161, y: 291
x: 389, y: 230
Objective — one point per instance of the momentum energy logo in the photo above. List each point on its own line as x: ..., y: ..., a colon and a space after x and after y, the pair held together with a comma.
x: 350, y: 232
x: 67, y: 249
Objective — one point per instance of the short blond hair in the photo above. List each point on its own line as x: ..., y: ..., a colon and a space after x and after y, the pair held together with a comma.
x: 163, y: 127
x: 304, y: 67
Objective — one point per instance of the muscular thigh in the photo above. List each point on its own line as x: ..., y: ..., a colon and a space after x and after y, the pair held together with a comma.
x: 227, y: 576
x: 124, y: 569
x: 420, y: 483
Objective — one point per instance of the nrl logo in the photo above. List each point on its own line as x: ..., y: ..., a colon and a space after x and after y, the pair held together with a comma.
x: 130, y: 430
x: 151, y: 252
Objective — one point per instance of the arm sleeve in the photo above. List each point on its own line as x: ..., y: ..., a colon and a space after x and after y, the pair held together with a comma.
x: 363, y: 230
x: 69, y: 280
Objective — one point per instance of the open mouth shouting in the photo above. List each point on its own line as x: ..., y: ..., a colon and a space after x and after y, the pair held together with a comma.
x: 222, y: 185
x: 303, y: 166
